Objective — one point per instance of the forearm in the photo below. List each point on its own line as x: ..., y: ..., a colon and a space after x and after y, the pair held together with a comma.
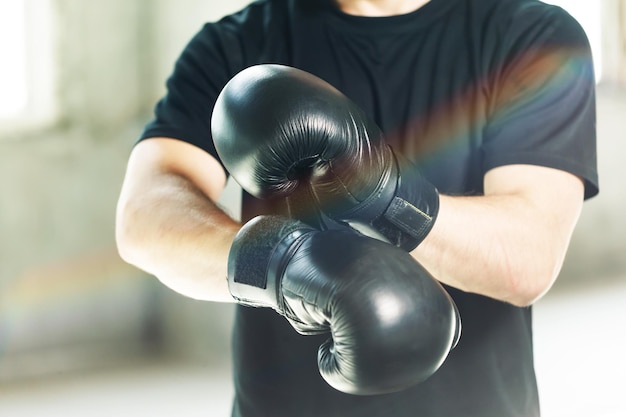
x: 497, y: 246
x: 175, y: 232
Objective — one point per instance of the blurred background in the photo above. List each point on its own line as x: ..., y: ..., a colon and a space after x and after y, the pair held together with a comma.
x: 84, y: 334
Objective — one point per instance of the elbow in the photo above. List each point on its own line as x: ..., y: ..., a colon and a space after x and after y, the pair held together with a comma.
x: 525, y: 298
x: 528, y: 286
x: 526, y: 279
x: 125, y: 249
x: 125, y: 237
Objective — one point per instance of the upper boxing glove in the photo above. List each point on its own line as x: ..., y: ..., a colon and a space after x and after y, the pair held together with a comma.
x: 276, y: 127
x: 391, y: 324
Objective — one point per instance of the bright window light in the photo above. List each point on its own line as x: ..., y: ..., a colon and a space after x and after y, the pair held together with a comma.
x: 13, y: 74
x: 589, y: 14
x: 27, y: 71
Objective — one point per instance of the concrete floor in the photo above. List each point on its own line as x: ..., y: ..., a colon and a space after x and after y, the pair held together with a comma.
x: 580, y: 361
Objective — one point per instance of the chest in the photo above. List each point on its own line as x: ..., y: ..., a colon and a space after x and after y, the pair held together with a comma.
x: 424, y: 89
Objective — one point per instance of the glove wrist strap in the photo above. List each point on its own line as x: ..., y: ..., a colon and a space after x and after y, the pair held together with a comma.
x: 413, y: 220
x: 258, y: 257
x: 403, y: 207
x: 412, y: 211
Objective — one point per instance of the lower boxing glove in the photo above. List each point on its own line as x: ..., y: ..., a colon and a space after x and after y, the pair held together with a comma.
x: 391, y: 324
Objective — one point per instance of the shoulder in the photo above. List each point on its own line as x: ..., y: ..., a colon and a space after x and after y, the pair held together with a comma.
x: 242, y: 38
x: 258, y: 13
x: 515, y: 32
x: 503, y: 29
x: 522, y: 22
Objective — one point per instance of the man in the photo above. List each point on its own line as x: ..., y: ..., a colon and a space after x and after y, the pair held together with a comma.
x: 493, y: 100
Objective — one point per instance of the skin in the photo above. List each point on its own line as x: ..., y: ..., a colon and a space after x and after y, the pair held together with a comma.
x: 508, y: 244
x: 378, y: 8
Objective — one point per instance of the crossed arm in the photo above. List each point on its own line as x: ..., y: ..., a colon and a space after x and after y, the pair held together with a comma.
x: 168, y: 223
x: 508, y: 244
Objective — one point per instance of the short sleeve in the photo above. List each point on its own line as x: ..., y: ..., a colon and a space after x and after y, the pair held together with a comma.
x: 542, y: 107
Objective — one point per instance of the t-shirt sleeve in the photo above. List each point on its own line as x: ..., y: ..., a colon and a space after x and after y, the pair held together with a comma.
x: 542, y: 106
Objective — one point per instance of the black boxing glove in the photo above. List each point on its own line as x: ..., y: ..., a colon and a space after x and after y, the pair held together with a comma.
x: 391, y: 324
x: 276, y: 127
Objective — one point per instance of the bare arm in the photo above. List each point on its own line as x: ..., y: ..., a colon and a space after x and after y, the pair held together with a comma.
x: 510, y: 243
x: 168, y: 223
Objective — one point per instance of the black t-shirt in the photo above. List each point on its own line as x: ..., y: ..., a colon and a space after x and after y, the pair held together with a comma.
x: 459, y: 87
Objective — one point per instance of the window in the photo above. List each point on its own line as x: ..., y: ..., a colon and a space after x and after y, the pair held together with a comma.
x: 589, y: 15
x: 13, y: 48
x: 26, y: 72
